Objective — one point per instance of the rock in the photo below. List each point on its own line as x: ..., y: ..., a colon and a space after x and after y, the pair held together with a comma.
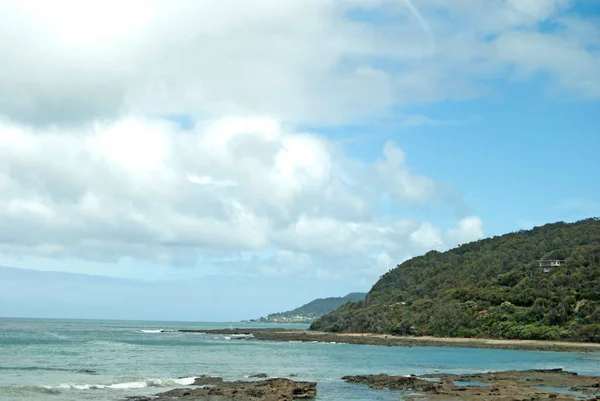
x: 394, y: 382
x: 509, y: 385
x: 207, y: 380
x: 263, y: 390
x: 258, y: 376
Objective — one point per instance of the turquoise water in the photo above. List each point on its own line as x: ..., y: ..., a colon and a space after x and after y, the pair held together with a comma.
x: 46, y: 360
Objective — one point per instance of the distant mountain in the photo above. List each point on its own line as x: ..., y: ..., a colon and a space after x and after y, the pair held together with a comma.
x: 312, y: 310
x: 541, y: 284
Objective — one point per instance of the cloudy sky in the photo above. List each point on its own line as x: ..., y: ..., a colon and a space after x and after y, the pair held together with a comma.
x: 268, y: 152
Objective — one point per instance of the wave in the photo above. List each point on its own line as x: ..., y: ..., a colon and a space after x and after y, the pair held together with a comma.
x: 239, y: 336
x: 26, y: 390
x: 158, y: 331
x: 46, y: 369
x: 115, y: 344
x: 185, y: 381
x: 56, y: 335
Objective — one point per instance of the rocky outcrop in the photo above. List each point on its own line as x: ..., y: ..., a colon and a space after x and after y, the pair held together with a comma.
x: 215, y: 390
x: 208, y: 381
x: 403, y: 383
x: 532, y: 385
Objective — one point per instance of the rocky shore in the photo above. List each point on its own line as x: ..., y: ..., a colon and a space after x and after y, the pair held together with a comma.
x: 554, y: 384
x: 216, y: 389
x: 530, y: 385
x: 390, y: 340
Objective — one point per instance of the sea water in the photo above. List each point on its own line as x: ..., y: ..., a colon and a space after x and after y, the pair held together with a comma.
x: 109, y: 360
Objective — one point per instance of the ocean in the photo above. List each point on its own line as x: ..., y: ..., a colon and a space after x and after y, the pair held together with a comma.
x: 59, y: 360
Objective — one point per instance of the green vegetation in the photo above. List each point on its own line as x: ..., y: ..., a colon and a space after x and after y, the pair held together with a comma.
x: 312, y: 310
x: 490, y: 288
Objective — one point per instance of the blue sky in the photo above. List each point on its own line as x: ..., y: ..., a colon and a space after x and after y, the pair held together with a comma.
x: 520, y: 159
x: 247, y: 157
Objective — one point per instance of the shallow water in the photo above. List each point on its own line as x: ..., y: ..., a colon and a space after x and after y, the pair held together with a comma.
x: 47, y: 360
x: 563, y: 390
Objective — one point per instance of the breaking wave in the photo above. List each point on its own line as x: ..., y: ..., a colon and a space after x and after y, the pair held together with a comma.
x: 158, y: 331
x: 239, y: 336
x: 185, y: 381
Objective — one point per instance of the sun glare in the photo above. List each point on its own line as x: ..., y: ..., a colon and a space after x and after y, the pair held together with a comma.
x: 80, y: 22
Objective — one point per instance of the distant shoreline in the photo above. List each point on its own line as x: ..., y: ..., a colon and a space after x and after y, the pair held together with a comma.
x: 273, y: 334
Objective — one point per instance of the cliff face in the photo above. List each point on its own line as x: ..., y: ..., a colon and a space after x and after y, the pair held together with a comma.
x: 494, y: 288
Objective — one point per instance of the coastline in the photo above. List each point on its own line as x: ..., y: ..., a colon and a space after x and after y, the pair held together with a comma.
x: 278, y: 334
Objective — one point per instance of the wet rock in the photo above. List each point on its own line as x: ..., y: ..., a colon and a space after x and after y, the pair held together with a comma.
x: 411, y: 383
x: 207, y: 380
x: 509, y: 385
x: 263, y: 390
x: 258, y: 376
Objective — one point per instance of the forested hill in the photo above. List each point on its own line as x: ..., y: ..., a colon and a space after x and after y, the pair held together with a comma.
x: 490, y: 288
x: 313, y: 309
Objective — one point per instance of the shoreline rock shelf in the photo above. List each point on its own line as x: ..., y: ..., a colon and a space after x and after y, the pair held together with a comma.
x: 216, y: 389
x: 530, y: 385
x: 536, y: 384
x: 278, y: 334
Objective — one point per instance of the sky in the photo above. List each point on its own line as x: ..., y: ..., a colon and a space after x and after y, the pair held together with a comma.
x: 204, y: 160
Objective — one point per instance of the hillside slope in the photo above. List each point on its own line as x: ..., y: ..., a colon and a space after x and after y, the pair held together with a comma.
x: 313, y: 309
x: 490, y: 288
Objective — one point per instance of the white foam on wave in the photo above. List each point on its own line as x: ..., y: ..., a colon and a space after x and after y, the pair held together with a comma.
x: 157, y: 331
x: 152, y: 331
x: 185, y: 381
x: 55, y: 335
x: 239, y: 336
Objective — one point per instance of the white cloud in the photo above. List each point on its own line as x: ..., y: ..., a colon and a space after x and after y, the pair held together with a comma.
x: 469, y: 229
x: 394, y: 175
x: 559, y: 54
x: 297, y: 61
x: 208, y: 180
x: 90, y: 167
x: 148, y: 190
x: 427, y: 236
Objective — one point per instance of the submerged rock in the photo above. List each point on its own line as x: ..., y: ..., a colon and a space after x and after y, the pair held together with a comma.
x: 258, y: 376
x: 88, y: 371
x: 263, y: 390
